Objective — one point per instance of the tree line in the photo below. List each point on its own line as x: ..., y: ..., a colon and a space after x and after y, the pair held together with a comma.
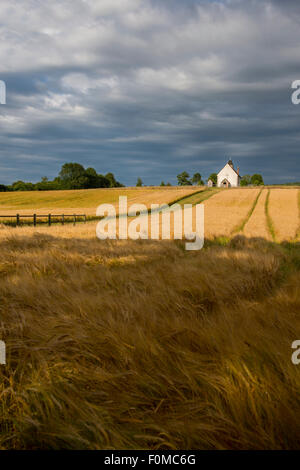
x: 75, y: 176
x: 254, y: 180
x: 246, y: 180
x: 184, y: 179
x: 71, y: 176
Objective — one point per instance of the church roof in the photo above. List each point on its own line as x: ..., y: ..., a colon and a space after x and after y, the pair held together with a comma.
x: 230, y: 163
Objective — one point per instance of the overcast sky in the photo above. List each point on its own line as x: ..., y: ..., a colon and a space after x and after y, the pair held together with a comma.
x: 149, y: 88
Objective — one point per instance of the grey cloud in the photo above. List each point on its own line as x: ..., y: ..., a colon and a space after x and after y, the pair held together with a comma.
x: 150, y: 88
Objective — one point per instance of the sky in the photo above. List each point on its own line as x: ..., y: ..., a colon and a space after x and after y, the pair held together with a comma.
x: 149, y: 88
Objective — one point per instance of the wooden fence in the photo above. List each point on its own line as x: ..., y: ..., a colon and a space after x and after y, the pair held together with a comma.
x: 50, y: 218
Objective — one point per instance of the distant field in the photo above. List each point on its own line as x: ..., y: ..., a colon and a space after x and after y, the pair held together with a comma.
x: 284, y: 212
x: 86, y: 200
x: 257, y: 225
x: 226, y: 210
x: 270, y: 213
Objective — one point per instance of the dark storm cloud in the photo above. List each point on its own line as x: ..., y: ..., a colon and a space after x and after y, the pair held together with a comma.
x: 149, y: 88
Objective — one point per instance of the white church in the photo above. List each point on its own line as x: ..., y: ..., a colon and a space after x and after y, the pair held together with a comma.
x: 228, y: 177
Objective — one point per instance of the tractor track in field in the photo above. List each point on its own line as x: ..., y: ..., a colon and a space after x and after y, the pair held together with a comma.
x: 241, y: 226
x: 270, y: 224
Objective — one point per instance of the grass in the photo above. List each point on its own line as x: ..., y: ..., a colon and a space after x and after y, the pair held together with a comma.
x: 269, y: 220
x: 257, y: 224
x: 87, y: 199
x: 226, y: 210
x: 284, y: 211
x: 241, y: 226
x: 142, y: 345
x: 199, y: 197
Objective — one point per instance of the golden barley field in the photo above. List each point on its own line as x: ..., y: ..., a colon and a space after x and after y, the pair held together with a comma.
x: 123, y: 344
x: 283, y: 210
x: 257, y: 225
x: 268, y: 213
x: 249, y: 211
x: 86, y: 201
x: 254, y: 212
x: 225, y: 211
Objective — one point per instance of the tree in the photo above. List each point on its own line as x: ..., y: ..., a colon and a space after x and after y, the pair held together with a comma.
x: 139, y: 182
x: 214, y: 178
x: 257, y: 179
x: 94, y: 180
x: 22, y: 186
x: 162, y: 183
x: 57, y: 183
x: 183, y: 179
x: 73, y: 176
x: 112, y: 181
x: 92, y: 176
x: 44, y: 185
x: 197, y: 179
x: 103, y: 182
x: 3, y: 188
x: 245, y: 180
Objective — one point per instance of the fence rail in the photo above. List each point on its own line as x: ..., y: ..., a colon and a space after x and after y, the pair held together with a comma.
x: 50, y: 218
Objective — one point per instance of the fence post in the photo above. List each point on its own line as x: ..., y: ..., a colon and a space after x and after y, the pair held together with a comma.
x: 49, y: 219
x: 74, y: 219
x: 34, y: 220
x: 63, y: 219
x: 84, y: 218
x: 18, y: 219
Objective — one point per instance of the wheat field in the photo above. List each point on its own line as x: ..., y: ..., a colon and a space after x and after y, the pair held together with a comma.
x: 226, y: 210
x: 87, y: 200
x: 246, y: 210
x: 122, y: 344
x: 283, y: 209
x: 257, y: 223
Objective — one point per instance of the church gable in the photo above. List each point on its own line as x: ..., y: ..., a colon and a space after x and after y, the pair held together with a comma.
x: 228, y: 177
